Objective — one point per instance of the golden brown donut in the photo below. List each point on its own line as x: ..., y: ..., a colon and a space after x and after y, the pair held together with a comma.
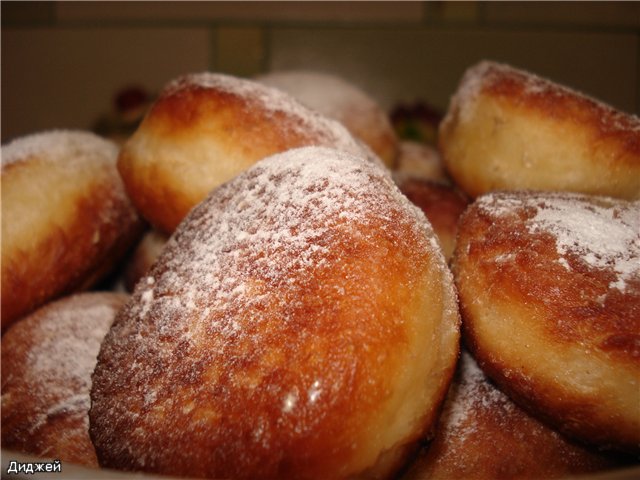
x: 143, y: 256
x: 483, y: 435
x: 66, y: 219
x: 549, y: 287
x: 47, y: 361
x: 507, y: 129
x: 441, y: 203
x: 420, y: 160
x: 343, y: 101
x: 203, y: 130
x: 300, y: 323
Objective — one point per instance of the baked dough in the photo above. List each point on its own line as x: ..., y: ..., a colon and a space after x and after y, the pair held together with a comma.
x: 419, y: 160
x: 203, y: 130
x: 507, y: 129
x: 482, y: 434
x: 549, y: 287
x: 441, y: 203
x: 300, y: 323
x: 66, y: 219
x: 143, y: 256
x: 47, y: 361
x: 343, y: 101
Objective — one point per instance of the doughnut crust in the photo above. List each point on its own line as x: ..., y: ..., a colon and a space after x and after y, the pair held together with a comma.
x: 441, y: 203
x: 477, y: 415
x: 66, y: 219
x: 419, y: 160
x: 549, y: 287
x: 47, y: 361
x: 341, y: 100
x: 300, y: 323
x: 507, y: 129
x: 203, y: 130
x: 143, y: 256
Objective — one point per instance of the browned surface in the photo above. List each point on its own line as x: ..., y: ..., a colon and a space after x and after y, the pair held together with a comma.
x: 482, y: 434
x: 143, y: 256
x: 442, y: 204
x: 206, y: 395
x: 45, y: 413
x: 561, y: 104
x: 194, y: 138
x: 539, y: 330
x: 507, y: 129
x: 77, y: 246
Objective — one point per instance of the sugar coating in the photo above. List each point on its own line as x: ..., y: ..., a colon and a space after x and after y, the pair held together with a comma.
x: 210, y: 299
x: 603, y: 233
x: 65, y: 338
x: 263, y: 98
x: 484, y: 75
x: 68, y: 146
x: 330, y: 95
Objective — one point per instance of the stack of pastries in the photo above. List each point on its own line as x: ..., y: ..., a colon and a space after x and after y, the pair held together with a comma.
x: 277, y: 293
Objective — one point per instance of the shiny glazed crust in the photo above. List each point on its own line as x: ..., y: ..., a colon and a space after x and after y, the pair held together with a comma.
x: 482, y: 434
x: 66, y: 220
x: 300, y: 323
x: 553, y: 320
x: 509, y: 130
x: 203, y: 130
x: 47, y: 361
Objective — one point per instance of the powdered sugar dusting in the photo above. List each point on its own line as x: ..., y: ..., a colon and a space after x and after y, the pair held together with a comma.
x: 245, y: 298
x: 59, y: 146
x: 603, y: 233
x: 287, y: 193
x: 472, y: 394
x: 486, y: 73
x: 65, y: 338
x: 306, y: 121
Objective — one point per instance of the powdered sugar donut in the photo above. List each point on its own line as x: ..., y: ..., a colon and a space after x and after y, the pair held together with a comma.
x: 203, y: 130
x: 47, y: 361
x: 341, y: 100
x: 300, y: 323
x: 441, y: 203
x: 549, y: 288
x: 145, y: 253
x: 419, y: 160
x: 66, y: 219
x: 483, y: 434
x: 507, y: 129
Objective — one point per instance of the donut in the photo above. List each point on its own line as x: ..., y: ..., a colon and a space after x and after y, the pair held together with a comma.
x: 420, y: 160
x: 300, y: 323
x: 343, y: 101
x: 549, y: 287
x: 206, y: 128
x: 507, y: 129
x: 441, y: 203
x: 143, y: 256
x: 66, y: 219
x: 47, y: 361
x: 484, y: 434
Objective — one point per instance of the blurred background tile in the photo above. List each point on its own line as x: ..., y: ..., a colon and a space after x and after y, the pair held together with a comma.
x: 361, y: 11
x: 63, y: 62
x: 427, y: 64
x: 67, y: 77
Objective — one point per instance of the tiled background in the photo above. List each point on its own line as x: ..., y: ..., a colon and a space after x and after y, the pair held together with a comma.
x: 62, y: 62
